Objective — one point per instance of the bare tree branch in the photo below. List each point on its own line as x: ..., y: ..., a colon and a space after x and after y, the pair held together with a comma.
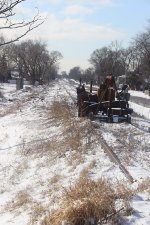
x: 7, y: 15
x: 19, y: 37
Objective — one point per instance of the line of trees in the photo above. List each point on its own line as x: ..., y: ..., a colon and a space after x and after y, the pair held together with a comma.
x: 133, y: 61
x: 33, y: 61
x: 30, y: 59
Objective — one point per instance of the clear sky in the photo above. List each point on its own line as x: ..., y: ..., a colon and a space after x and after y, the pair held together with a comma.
x: 77, y: 27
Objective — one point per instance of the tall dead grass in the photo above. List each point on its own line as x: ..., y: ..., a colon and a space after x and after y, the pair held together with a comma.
x: 85, y: 199
x: 125, y: 194
x: 77, y: 135
x: 43, y: 147
x: 60, y: 111
x: 13, y: 108
x: 37, y: 211
x: 22, y: 200
x: 144, y: 186
x: 76, y: 129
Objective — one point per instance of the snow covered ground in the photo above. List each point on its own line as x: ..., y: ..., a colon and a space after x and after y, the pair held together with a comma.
x: 35, y: 163
x: 139, y: 94
x: 140, y: 110
x: 140, y: 102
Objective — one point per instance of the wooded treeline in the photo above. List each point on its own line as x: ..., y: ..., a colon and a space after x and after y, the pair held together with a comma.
x: 30, y: 60
x: 133, y: 61
x: 27, y: 59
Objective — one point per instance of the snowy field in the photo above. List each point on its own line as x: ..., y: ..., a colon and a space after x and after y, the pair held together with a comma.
x: 139, y: 94
x: 144, y: 109
x: 40, y: 154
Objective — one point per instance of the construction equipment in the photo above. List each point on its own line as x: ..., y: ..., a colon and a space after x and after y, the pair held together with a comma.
x: 108, y: 104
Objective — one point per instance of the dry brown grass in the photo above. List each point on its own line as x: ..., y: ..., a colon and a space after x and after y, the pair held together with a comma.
x: 43, y: 148
x: 24, y: 201
x: 77, y: 136
x: 19, y: 170
x: 21, y: 201
x: 55, y: 179
x: 37, y: 211
x: 79, y: 133
x: 60, y: 111
x: 125, y: 194
x: 22, y: 167
x: 23, y: 198
x: 129, y: 144
x: 85, y: 199
x: 144, y: 186
x: 11, y: 109
x: 61, y: 114
x: 75, y: 158
x: 92, y: 164
x: 91, y: 199
x: 85, y: 172
x: 77, y: 130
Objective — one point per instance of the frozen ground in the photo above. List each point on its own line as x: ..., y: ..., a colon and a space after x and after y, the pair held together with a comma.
x: 140, y: 102
x: 139, y: 94
x: 31, y: 177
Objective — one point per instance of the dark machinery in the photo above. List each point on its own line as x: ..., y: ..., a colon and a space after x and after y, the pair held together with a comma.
x: 108, y: 104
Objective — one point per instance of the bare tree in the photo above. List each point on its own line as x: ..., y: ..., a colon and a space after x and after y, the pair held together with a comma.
x: 4, y: 69
x: 111, y: 59
x: 34, y: 61
x: 75, y: 73
x: 89, y: 75
x: 8, y: 20
x: 54, y: 58
x: 141, y: 47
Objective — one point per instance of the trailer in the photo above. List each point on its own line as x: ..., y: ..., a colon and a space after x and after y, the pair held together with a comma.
x: 108, y: 103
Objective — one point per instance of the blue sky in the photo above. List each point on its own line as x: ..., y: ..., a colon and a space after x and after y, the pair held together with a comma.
x: 77, y: 27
